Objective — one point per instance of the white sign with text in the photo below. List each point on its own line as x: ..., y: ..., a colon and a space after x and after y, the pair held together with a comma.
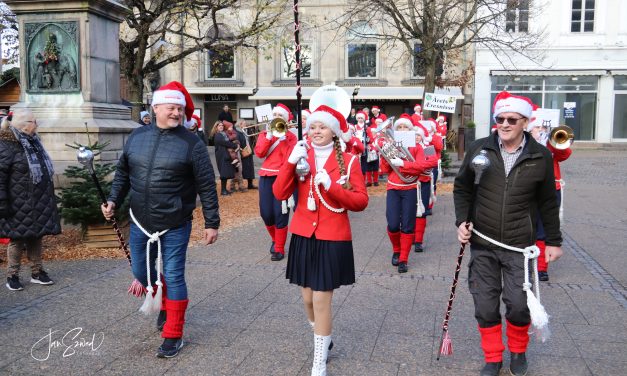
x: 440, y: 103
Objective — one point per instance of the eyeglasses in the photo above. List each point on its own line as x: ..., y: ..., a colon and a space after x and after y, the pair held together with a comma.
x: 510, y: 121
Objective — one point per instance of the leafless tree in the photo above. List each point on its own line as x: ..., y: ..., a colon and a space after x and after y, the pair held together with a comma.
x: 446, y: 29
x: 160, y: 32
x: 9, y: 33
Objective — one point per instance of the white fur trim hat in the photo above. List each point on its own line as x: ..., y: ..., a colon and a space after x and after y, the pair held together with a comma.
x: 506, y: 102
x: 332, y: 119
x: 406, y: 120
x: 175, y: 93
x: 284, y: 111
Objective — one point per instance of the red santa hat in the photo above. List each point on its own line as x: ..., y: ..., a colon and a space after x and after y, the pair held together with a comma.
x: 428, y: 126
x: 506, y: 102
x: 361, y: 114
x: 284, y: 112
x: 332, y: 119
x: 417, y: 105
x: 382, y: 117
x: 406, y: 120
x: 175, y: 93
x: 375, y: 108
x: 441, y: 119
x: 196, y: 119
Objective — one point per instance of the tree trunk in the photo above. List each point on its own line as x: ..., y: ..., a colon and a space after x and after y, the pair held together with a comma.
x: 429, y: 85
x: 136, y: 94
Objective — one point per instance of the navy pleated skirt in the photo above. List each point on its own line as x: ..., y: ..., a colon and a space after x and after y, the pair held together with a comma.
x: 322, y: 265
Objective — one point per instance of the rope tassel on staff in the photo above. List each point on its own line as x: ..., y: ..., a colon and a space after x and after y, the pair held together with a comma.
x: 479, y: 164
x: 86, y: 158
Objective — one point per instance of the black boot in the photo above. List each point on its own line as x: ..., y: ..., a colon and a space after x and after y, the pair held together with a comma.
x: 170, y: 347
x: 518, y: 364
x: 491, y: 369
x: 251, y: 185
x: 224, y: 191
x: 395, y: 257
x: 402, y: 267
x: 277, y: 256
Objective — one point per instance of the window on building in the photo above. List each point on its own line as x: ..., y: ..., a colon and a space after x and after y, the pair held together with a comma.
x: 288, y: 69
x: 419, y: 68
x: 582, y: 16
x: 221, y: 63
x: 620, y: 107
x: 578, y: 92
x: 361, y: 51
x: 517, y: 16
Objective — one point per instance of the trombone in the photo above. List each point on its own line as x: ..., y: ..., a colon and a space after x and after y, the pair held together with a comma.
x: 277, y: 126
x: 561, y: 137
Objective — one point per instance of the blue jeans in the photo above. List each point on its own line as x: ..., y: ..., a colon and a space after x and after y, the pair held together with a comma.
x: 173, y: 249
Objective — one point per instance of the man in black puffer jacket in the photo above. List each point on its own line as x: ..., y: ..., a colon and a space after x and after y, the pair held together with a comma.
x: 164, y: 167
x: 517, y: 185
x: 28, y: 207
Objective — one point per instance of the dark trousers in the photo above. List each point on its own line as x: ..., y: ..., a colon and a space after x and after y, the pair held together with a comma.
x: 540, y: 234
x: 400, y: 210
x: 269, y: 206
x: 492, y: 273
x: 425, y: 195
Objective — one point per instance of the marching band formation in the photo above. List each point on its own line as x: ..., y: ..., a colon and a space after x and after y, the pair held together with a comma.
x: 514, y: 201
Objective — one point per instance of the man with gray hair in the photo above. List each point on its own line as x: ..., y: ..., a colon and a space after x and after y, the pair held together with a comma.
x: 28, y: 207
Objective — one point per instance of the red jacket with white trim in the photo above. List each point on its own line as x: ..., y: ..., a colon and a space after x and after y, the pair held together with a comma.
x: 355, y: 146
x: 275, y: 159
x: 324, y: 223
x: 558, y: 156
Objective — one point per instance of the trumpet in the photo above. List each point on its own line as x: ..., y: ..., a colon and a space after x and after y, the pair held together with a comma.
x: 278, y: 127
x: 561, y: 137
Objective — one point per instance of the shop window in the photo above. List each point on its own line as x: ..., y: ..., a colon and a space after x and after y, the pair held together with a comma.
x: 419, y: 67
x: 288, y: 61
x: 620, y: 107
x: 361, y: 51
x: 221, y: 63
x: 517, y: 16
x: 582, y: 16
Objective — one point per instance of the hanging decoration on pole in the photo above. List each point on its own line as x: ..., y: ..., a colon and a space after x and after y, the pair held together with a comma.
x: 86, y: 157
x: 479, y: 163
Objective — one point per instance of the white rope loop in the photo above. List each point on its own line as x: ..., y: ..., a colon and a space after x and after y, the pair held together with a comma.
x: 562, y: 185
x: 152, y: 304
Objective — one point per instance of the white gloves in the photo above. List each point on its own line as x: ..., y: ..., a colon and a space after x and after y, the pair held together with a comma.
x: 299, y: 151
x: 268, y: 134
x: 397, y: 162
x: 322, y: 177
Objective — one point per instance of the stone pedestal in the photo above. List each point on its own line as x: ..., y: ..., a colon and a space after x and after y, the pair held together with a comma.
x: 70, y: 75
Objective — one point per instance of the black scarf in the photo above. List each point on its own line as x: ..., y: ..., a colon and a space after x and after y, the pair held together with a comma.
x: 34, y: 150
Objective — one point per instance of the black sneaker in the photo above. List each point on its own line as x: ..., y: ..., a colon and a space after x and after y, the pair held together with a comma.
x: 170, y: 347
x: 543, y: 276
x: 161, y: 320
x: 395, y: 257
x: 518, y: 364
x: 41, y: 278
x: 376, y: 183
x: 14, y: 284
x: 368, y: 184
x: 277, y: 256
x: 402, y: 267
x: 418, y: 247
x: 491, y: 369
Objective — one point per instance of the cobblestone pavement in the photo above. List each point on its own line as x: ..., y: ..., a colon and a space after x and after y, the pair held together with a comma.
x: 245, y: 319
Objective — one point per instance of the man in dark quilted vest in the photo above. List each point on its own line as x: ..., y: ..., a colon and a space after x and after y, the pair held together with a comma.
x: 28, y: 208
x: 517, y: 186
x: 164, y: 167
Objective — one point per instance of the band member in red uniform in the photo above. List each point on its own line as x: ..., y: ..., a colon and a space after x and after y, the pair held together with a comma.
x: 377, y: 114
x: 441, y: 126
x: 417, y: 115
x: 354, y: 146
x: 559, y: 155
x: 370, y: 158
x: 438, y: 144
x: 424, y: 193
x: 321, y: 251
x: 401, y: 198
x: 275, y: 151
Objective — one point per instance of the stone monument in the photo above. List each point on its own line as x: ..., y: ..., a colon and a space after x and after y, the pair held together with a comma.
x: 70, y: 75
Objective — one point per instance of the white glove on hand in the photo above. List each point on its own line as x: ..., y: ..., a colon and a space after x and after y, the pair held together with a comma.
x: 397, y: 162
x: 322, y: 177
x: 299, y: 151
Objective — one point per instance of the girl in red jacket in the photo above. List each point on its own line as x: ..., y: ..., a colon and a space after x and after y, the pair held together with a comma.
x: 401, y: 198
x: 320, y: 258
x: 275, y: 150
x: 424, y: 191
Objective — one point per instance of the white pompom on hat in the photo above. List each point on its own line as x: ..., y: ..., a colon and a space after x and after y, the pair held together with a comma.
x: 175, y: 93
x: 332, y: 119
x: 506, y: 102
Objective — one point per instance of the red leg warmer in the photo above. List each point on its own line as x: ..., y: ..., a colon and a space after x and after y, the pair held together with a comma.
x: 542, y: 264
x: 280, y: 239
x: 271, y: 231
x: 421, y: 224
x: 517, y: 337
x: 407, y: 240
x: 376, y: 176
x: 395, y: 239
x: 369, y: 176
x: 175, y: 318
x: 492, y: 343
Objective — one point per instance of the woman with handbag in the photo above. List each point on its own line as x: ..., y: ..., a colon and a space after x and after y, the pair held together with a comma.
x: 320, y: 257
x: 248, y: 166
x: 224, y: 159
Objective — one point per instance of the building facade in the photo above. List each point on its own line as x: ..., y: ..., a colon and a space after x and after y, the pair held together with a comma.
x: 583, y: 71
x: 244, y: 78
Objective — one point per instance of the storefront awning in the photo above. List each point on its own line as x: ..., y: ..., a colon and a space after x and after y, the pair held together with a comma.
x: 544, y: 73
x: 220, y: 90
x: 370, y: 93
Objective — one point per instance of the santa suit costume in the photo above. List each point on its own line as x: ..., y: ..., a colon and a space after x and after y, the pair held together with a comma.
x: 424, y: 191
x: 372, y: 166
x: 320, y: 258
x: 377, y: 114
x: 364, y: 133
x: 442, y: 129
x: 401, y: 198
x: 432, y: 139
x: 274, y: 213
x: 354, y: 146
x: 417, y: 115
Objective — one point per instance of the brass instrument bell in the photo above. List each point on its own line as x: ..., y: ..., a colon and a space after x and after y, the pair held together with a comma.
x: 561, y: 137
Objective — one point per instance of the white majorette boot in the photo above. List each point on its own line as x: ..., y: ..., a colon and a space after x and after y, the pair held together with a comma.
x: 321, y: 350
